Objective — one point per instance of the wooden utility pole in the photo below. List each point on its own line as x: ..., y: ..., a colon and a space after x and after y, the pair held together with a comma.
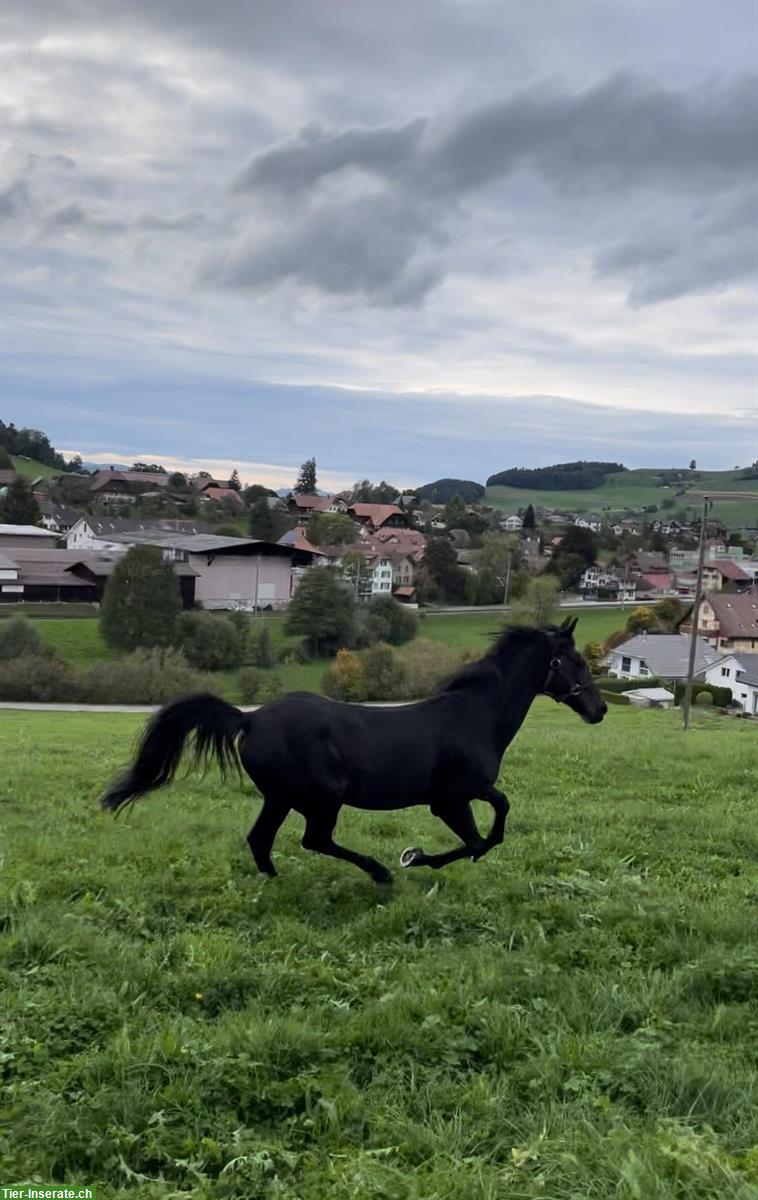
x: 695, y: 614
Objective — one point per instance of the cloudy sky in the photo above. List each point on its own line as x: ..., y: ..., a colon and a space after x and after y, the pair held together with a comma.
x: 424, y: 238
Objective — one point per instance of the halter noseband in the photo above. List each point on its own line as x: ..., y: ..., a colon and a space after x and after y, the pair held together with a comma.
x: 554, y: 673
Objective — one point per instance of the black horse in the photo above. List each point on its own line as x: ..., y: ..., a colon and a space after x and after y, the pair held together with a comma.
x: 314, y: 755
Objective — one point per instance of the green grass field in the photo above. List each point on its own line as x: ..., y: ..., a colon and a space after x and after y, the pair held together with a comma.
x: 78, y: 640
x: 573, y: 1018
x: 633, y: 489
x: 32, y: 469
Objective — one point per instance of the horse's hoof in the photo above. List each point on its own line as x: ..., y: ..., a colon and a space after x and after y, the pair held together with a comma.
x: 409, y: 856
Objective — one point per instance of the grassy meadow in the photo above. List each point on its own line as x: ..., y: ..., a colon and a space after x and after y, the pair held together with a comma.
x: 573, y: 1018
x: 78, y: 640
x: 735, y: 500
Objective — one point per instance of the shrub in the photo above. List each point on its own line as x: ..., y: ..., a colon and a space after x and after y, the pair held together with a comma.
x: 641, y: 619
x: 250, y: 682
x: 323, y: 611
x: 704, y: 699
x: 387, y: 621
x: 593, y: 654
x: 261, y: 650
x: 153, y: 676
x: 272, y: 689
x: 612, y: 684
x: 344, y: 678
x: 720, y: 696
x: 36, y: 678
x: 211, y: 643
x: 426, y: 666
x: 384, y: 676
x: 18, y: 637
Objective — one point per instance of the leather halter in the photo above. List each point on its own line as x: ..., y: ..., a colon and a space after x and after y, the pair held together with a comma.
x: 554, y: 673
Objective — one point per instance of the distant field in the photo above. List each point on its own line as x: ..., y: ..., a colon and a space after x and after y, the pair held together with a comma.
x: 31, y: 468
x: 634, y: 489
x: 575, y: 1017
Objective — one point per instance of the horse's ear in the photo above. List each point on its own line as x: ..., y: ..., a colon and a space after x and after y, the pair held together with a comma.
x: 569, y: 625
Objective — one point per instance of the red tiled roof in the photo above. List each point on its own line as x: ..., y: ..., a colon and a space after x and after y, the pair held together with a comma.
x: 658, y: 581
x: 151, y: 478
x: 221, y: 493
x: 404, y: 591
x: 377, y: 514
x: 308, y: 502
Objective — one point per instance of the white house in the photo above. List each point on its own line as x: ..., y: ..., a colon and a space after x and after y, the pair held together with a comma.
x: 512, y: 524
x: 589, y: 521
x: 665, y: 655
x: 740, y: 673
x: 598, y: 578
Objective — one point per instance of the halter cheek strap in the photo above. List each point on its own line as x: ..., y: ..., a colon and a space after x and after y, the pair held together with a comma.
x: 554, y: 675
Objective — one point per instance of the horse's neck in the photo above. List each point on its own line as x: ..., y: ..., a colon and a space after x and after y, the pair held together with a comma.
x: 520, y: 680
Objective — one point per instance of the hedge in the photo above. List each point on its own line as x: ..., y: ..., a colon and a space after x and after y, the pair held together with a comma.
x: 628, y: 685
x: 722, y: 696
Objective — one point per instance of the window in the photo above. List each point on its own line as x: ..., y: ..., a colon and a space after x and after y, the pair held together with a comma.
x: 626, y: 664
x: 725, y: 672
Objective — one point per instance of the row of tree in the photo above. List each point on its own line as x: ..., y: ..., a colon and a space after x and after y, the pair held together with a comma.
x: 32, y: 443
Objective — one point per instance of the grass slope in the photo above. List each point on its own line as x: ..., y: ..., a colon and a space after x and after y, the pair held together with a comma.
x: 576, y: 1016
x: 633, y: 489
x: 32, y: 469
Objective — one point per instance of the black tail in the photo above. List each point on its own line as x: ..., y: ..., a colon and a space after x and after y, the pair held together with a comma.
x: 216, y: 725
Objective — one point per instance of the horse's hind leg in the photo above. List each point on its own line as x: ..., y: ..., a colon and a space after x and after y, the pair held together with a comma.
x: 460, y: 819
x: 319, y: 827
x: 261, y: 837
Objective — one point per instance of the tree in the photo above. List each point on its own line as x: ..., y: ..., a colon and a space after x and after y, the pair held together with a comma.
x: 331, y: 529
x: 578, y: 540
x: 642, y: 620
x: 18, y: 506
x: 454, y: 513
x: 177, y: 482
x: 151, y: 468
x: 530, y: 521
x: 262, y: 523
x: 254, y: 491
x: 6, y: 463
x: 323, y: 611
x: 498, y: 552
x: 669, y: 612
x: 440, y: 564
x: 234, y: 481
x: 365, y: 492
x: 693, y: 465
x: 388, y: 621
x: 538, y: 604
x: 142, y: 601
x: 306, y: 480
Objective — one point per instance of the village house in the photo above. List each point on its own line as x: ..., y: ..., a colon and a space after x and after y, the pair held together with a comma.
x: 65, y: 576
x: 106, y: 533
x: 511, y: 524
x: 14, y: 536
x: 740, y: 673
x: 589, y: 521
x: 723, y: 575
x: 111, y: 485
x: 302, y: 506
x: 378, y: 516
x: 58, y: 518
x: 232, y: 573
x: 660, y: 655
x: 598, y: 581
x: 727, y: 622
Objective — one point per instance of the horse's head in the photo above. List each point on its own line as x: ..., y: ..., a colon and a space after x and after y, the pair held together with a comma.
x: 568, y: 679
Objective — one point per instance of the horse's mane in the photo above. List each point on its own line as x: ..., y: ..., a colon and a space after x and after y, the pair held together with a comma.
x: 505, y: 643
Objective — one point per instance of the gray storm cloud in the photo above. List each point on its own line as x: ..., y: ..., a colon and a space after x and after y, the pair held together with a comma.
x: 693, y: 145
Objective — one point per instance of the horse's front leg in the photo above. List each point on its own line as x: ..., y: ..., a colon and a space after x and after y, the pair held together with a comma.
x: 459, y: 818
x: 499, y: 803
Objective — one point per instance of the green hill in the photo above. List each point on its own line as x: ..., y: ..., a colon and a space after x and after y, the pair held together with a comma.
x: 735, y: 499
x: 32, y: 469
